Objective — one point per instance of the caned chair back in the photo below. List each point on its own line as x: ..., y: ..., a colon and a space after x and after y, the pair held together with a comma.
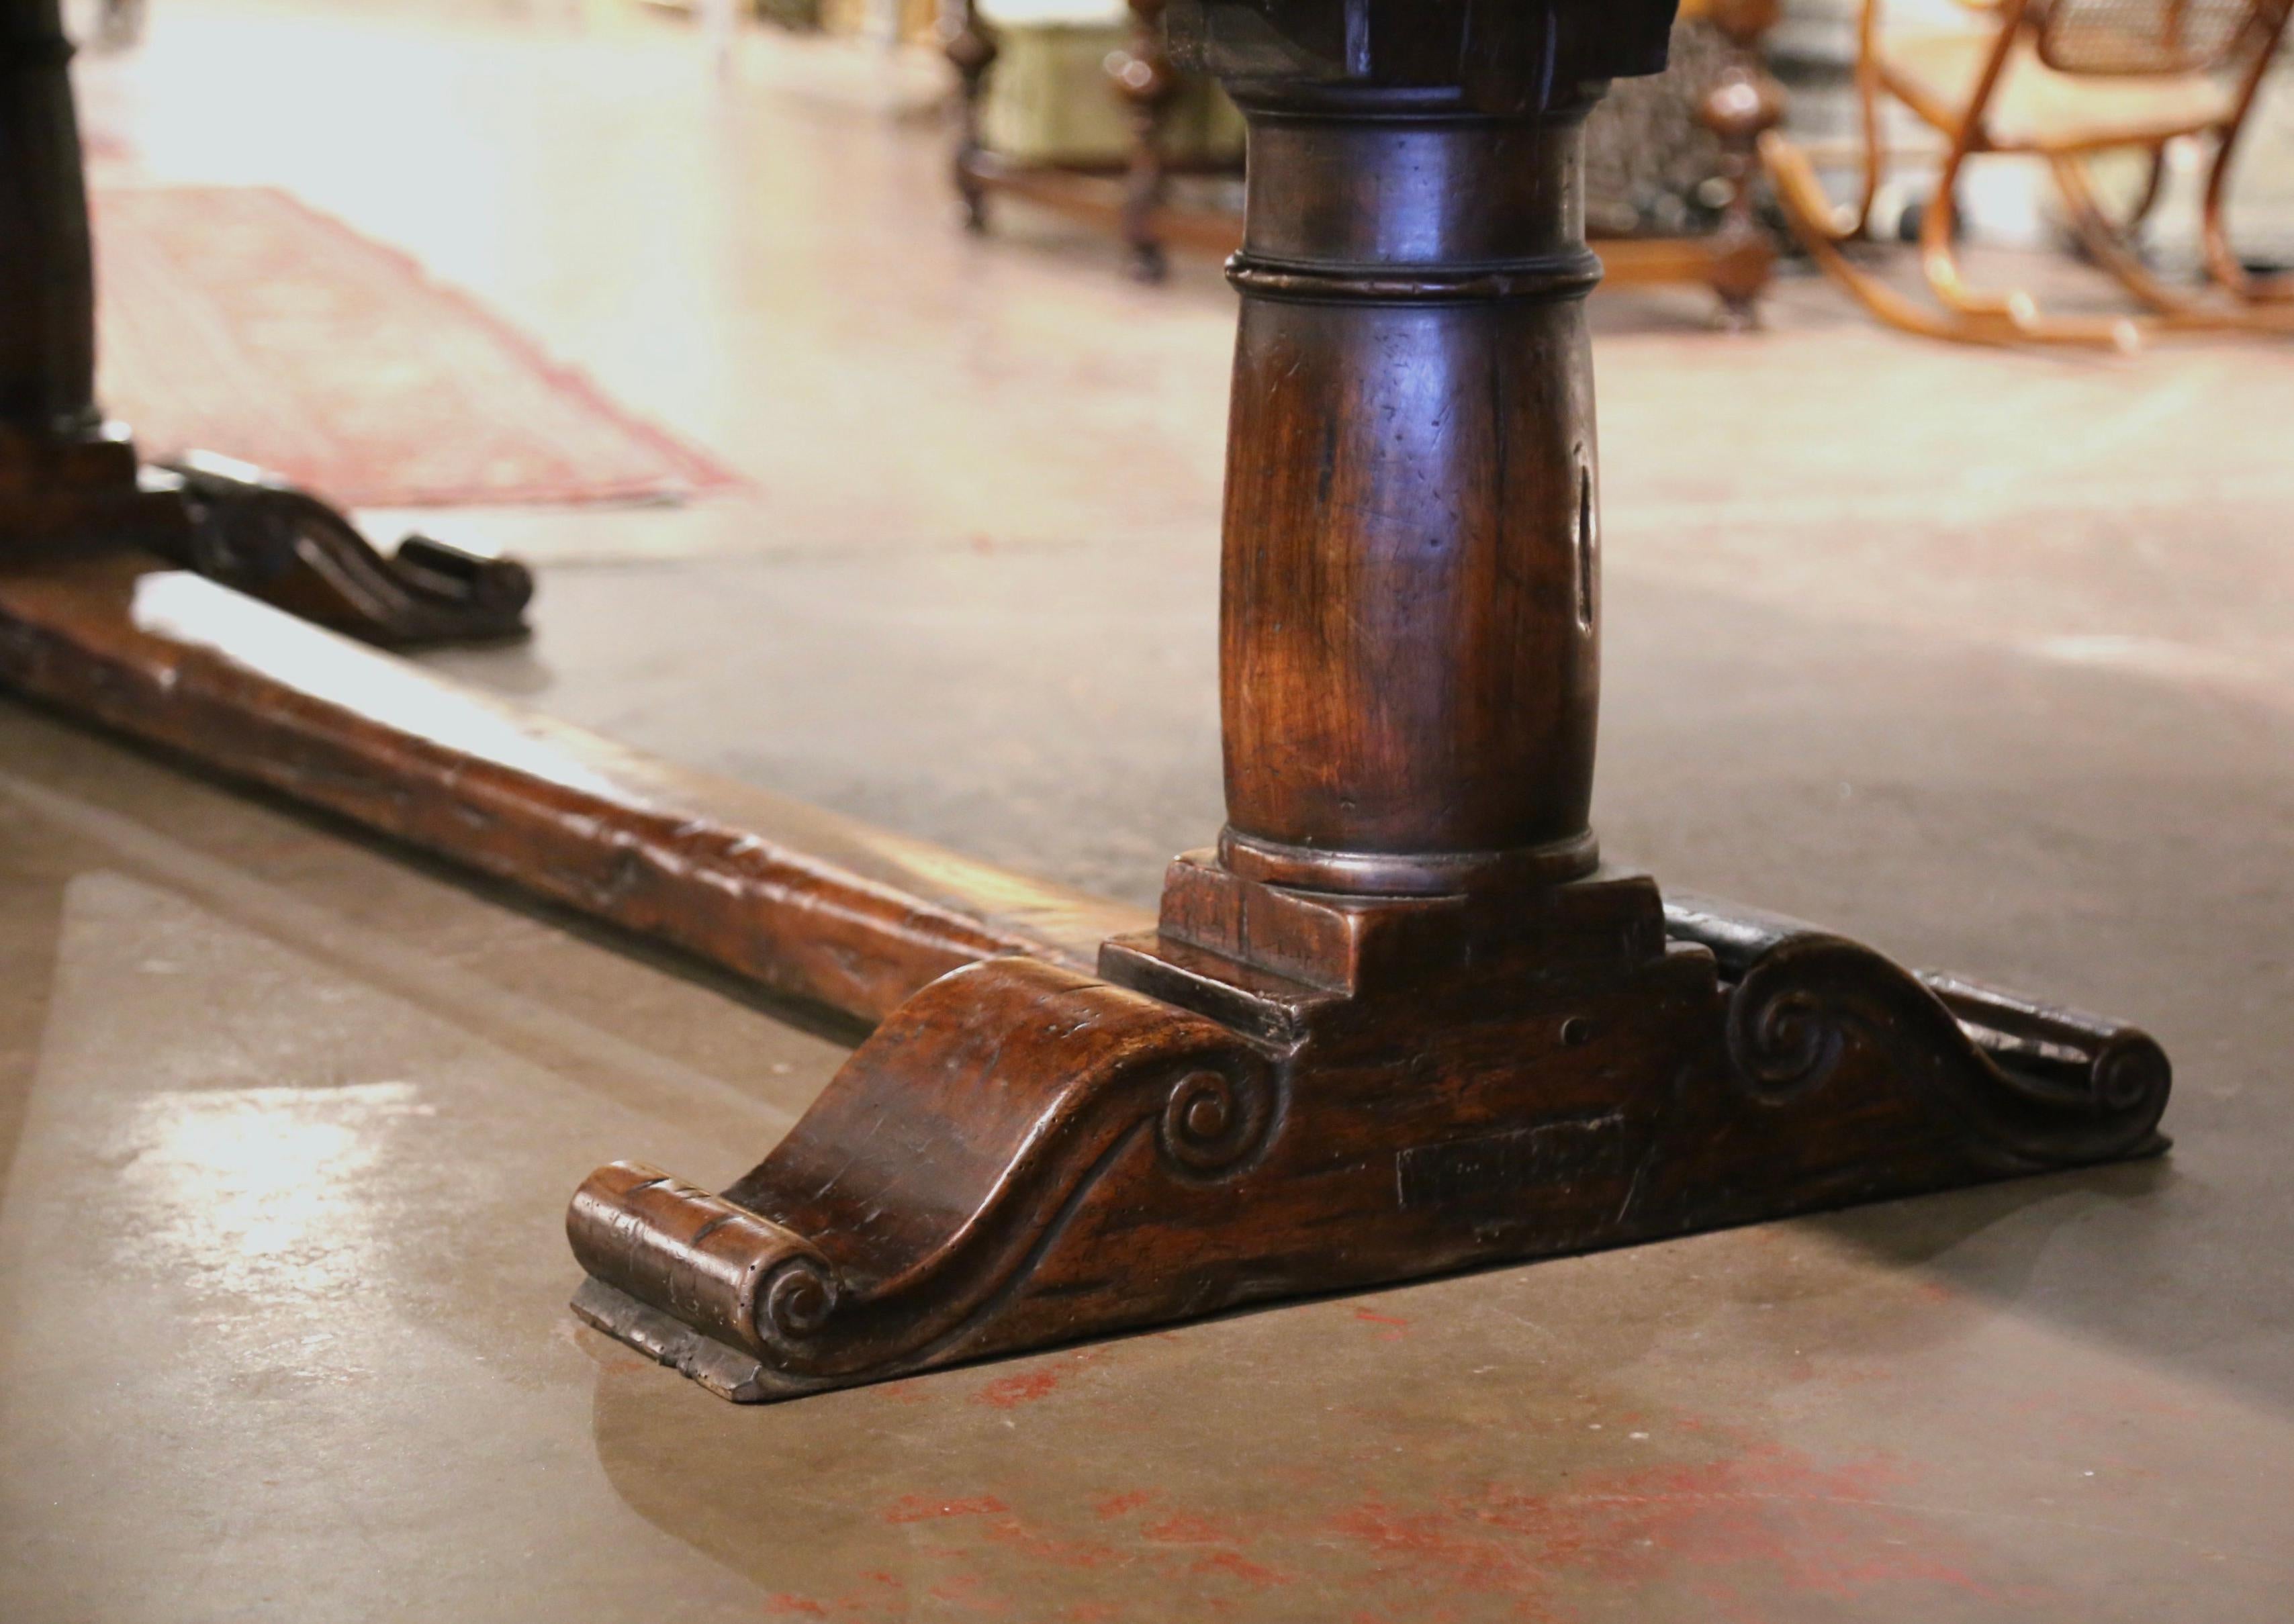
x: 2128, y: 37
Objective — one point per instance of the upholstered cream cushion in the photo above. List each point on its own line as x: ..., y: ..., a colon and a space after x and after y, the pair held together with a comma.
x: 1041, y: 14
x: 1049, y: 98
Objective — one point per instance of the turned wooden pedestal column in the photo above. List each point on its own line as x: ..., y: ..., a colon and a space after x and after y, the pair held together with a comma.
x: 47, y: 341
x: 1409, y: 636
x: 1402, y: 1019
x: 61, y: 465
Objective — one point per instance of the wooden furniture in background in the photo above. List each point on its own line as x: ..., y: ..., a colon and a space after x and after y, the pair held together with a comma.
x: 1737, y: 258
x: 1130, y: 195
x: 2064, y: 81
x: 1740, y: 104
x: 1400, y: 1018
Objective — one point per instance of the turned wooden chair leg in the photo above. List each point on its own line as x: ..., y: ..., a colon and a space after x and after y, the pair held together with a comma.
x: 1869, y: 91
x: 2223, y: 263
x: 971, y: 49
x: 2015, y: 309
x: 1815, y: 223
x: 1741, y: 111
x: 1939, y: 255
x: 1143, y: 80
x: 2107, y: 245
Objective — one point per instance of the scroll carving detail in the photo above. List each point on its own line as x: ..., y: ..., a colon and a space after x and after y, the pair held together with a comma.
x: 2087, y: 1090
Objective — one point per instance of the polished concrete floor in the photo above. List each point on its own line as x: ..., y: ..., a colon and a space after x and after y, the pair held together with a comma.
x: 1985, y: 657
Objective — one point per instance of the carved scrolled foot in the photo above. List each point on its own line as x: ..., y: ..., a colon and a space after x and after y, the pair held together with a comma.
x: 917, y: 1215
x: 264, y: 537
x: 1282, y: 1092
x: 237, y: 525
x: 2027, y: 1086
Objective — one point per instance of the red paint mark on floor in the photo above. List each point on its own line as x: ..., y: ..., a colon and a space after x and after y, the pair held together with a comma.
x: 1438, y: 1547
x: 923, y: 1507
x: 965, y: 1591
x: 1755, y: 1529
x: 1026, y: 1386
x: 858, y: 1605
x: 1122, y: 1505
x: 1737, y: 1529
x: 1181, y: 1528
x: 1374, y: 1318
x: 1233, y: 1564
x: 1040, y: 1547
x: 1010, y: 1391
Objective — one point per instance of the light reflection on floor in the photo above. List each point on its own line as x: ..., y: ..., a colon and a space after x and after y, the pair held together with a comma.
x: 257, y: 1189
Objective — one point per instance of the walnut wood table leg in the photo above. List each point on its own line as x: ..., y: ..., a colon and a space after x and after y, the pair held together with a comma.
x: 60, y: 464
x: 70, y: 480
x: 1402, y: 1019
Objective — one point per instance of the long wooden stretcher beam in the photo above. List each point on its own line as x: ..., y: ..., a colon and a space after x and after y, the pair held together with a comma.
x: 805, y: 903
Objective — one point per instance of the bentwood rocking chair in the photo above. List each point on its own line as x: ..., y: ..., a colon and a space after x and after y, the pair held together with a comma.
x: 2063, y: 81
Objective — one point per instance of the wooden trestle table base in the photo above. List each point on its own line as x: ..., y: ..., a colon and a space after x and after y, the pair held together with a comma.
x: 1400, y: 1018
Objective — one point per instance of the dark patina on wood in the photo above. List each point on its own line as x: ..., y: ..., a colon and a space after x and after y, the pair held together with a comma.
x: 1402, y: 1019
x: 68, y: 478
x: 805, y: 903
x: 1024, y: 1153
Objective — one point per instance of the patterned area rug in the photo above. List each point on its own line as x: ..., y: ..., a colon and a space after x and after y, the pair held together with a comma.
x: 237, y: 319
